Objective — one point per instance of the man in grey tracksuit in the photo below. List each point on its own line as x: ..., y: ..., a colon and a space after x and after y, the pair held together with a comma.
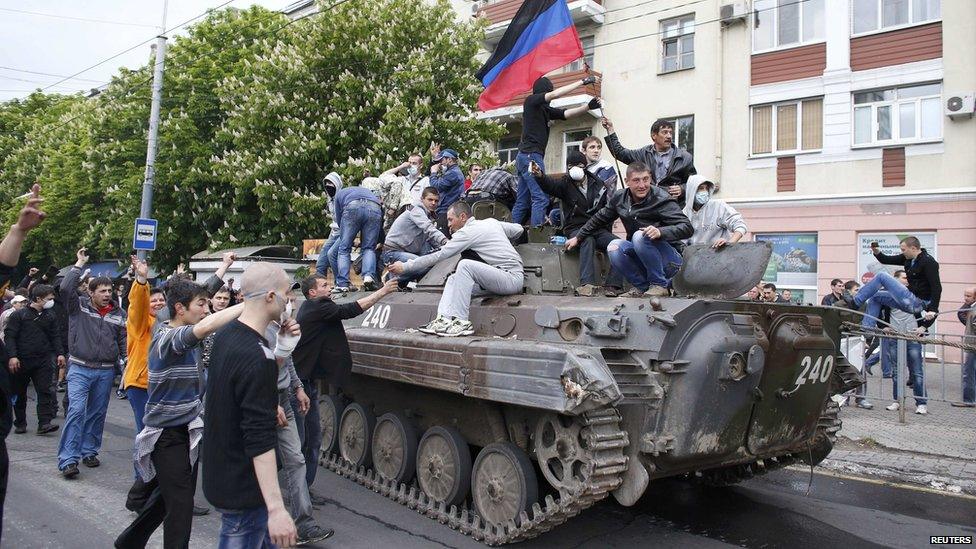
x: 715, y: 222
x: 498, y: 272
x: 414, y: 233
x: 97, y: 343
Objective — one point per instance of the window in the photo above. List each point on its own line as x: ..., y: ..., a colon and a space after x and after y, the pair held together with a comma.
x: 572, y: 141
x: 789, y: 127
x: 684, y: 132
x: 678, y: 43
x: 786, y: 23
x: 898, y: 115
x: 577, y: 65
x: 508, y: 150
x: 874, y: 15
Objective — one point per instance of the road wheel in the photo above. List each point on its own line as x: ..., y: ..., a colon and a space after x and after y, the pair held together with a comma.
x: 355, y: 433
x: 330, y: 411
x: 394, y: 447
x: 444, y: 465
x: 503, y: 483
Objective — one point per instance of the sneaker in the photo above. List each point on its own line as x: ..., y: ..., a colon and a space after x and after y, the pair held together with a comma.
x: 586, y: 290
x: 314, y: 534
x: 457, y: 328
x: 963, y: 404
x: 438, y: 324
x: 120, y: 394
x: 369, y: 284
x: 340, y: 290
x: 20, y: 429
x: 893, y: 407
x: 866, y: 404
x: 91, y: 461
x: 47, y: 428
x: 199, y: 511
x: 70, y: 470
x: 921, y: 409
x: 657, y: 291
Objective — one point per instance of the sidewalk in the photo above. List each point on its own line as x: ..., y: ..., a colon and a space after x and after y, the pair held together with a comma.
x: 937, y: 450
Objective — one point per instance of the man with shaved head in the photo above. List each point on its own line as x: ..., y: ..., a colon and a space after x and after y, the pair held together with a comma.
x: 240, y: 472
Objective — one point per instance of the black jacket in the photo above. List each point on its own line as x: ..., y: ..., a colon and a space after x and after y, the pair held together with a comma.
x: 657, y: 209
x: 32, y: 334
x: 681, y: 168
x: 6, y: 410
x: 577, y: 208
x: 323, y: 351
x: 923, y: 276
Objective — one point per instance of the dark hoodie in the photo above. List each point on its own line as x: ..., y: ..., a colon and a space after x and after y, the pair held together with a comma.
x: 536, y: 114
x: 577, y: 206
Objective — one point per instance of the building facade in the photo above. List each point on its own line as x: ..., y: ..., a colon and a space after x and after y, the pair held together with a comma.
x: 823, y: 121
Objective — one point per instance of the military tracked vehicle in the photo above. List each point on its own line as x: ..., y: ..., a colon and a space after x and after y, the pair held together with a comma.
x: 558, y: 402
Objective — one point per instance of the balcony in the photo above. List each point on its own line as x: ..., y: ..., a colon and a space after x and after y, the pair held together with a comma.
x: 513, y: 109
x: 500, y: 12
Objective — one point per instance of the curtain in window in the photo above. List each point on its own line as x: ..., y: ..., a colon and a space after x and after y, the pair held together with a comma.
x: 812, y: 125
x: 786, y: 127
x: 762, y: 129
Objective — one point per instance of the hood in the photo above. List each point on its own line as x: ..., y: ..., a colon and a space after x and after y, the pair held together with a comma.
x: 335, y: 179
x: 542, y: 85
x: 691, y: 187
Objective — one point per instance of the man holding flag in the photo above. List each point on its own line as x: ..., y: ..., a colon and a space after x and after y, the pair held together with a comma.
x: 540, y: 38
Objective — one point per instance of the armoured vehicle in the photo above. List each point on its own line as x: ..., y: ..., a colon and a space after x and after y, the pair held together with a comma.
x: 560, y: 401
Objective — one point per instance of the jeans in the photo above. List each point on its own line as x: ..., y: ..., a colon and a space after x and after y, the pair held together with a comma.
x: 245, y: 529
x: 39, y: 371
x: 889, y: 356
x: 88, y: 390
x: 359, y: 216
x: 309, y: 431
x: 328, y: 257
x: 529, y: 193
x: 474, y: 278
x: 137, y: 397
x: 587, y: 256
x: 171, y: 502
x: 915, y: 369
x: 969, y: 378
x: 644, y: 262
x: 884, y: 290
x: 291, y: 475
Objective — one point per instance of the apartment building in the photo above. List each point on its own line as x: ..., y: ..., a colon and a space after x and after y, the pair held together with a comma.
x: 824, y: 121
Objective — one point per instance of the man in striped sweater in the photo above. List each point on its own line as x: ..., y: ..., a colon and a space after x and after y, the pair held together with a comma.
x: 166, y: 449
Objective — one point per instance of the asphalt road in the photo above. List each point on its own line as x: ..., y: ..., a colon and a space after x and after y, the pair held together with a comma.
x: 43, y: 510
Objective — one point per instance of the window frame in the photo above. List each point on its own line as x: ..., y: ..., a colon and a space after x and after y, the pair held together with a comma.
x: 674, y: 120
x: 798, y: 44
x: 895, y: 106
x: 677, y: 39
x: 578, y: 142
x: 882, y: 29
x: 799, y: 128
x: 578, y: 64
x: 512, y: 152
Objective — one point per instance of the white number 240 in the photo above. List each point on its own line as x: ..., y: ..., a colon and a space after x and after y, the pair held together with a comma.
x: 377, y: 317
x: 814, y: 372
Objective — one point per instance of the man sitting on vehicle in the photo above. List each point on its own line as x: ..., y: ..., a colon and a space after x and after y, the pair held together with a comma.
x: 499, y: 272
x: 414, y: 233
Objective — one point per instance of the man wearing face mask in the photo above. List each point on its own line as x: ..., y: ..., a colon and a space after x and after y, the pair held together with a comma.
x: 33, y: 341
x: 581, y: 195
x: 412, y: 176
x: 531, y: 201
x: 714, y: 221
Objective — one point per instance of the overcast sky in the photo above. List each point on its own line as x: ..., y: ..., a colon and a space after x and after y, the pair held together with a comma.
x: 67, y: 40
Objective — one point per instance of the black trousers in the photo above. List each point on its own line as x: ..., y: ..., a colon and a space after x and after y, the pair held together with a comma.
x: 4, y: 469
x: 40, y: 371
x: 171, y: 501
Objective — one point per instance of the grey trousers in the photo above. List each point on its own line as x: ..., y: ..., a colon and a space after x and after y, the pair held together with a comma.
x: 472, y: 279
x: 291, y: 476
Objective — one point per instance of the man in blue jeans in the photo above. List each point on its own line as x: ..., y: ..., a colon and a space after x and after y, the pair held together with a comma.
x: 536, y: 116
x: 655, y: 226
x: 359, y: 213
x: 97, y: 342
x: 328, y: 256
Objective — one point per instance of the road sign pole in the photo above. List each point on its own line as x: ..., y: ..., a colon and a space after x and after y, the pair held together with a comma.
x: 157, y: 93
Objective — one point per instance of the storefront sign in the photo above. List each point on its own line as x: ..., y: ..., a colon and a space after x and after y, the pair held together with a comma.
x: 794, y: 259
x: 889, y: 244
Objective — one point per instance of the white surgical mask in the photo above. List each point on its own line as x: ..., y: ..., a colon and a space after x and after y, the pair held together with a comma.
x: 286, y: 314
x: 576, y: 173
x: 49, y: 304
x: 701, y: 197
x: 411, y: 169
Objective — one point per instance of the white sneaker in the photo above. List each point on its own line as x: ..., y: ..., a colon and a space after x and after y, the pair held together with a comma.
x: 340, y: 290
x: 437, y: 325
x: 369, y: 284
x: 457, y: 328
x: 893, y: 407
x: 921, y: 409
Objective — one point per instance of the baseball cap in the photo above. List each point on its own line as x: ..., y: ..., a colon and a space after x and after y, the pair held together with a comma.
x: 449, y: 153
x: 18, y: 299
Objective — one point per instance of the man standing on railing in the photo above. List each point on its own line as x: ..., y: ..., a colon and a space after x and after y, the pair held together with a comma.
x: 967, y: 315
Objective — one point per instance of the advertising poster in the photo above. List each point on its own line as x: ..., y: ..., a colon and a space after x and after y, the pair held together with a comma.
x: 889, y: 243
x: 794, y: 259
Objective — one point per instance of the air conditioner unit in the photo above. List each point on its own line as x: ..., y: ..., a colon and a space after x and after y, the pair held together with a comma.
x: 960, y: 105
x: 734, y: 12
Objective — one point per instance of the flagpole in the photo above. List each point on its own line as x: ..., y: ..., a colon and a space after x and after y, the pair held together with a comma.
x: 589, y: 72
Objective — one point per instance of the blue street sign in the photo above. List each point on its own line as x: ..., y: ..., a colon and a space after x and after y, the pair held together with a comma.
x: 144, y: 236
